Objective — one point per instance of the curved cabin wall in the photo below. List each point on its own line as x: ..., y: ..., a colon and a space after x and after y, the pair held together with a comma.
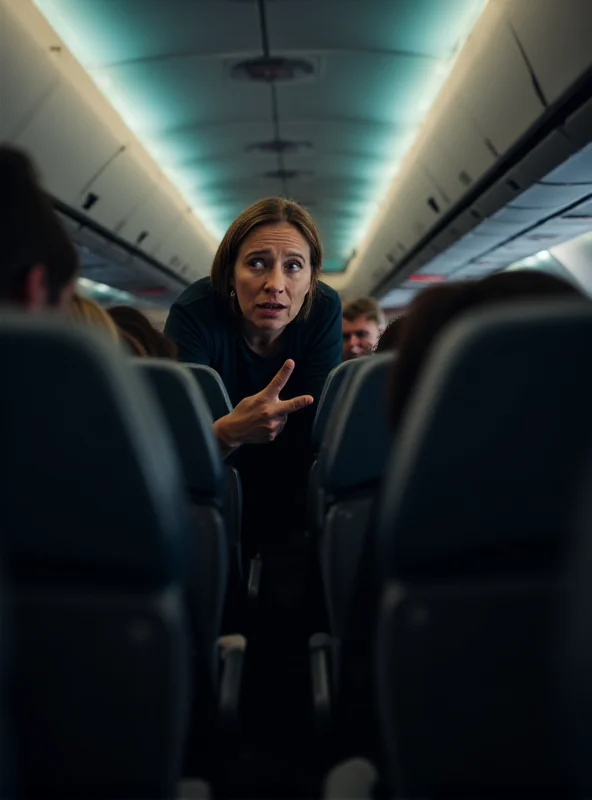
x: 88, y: 158
x: 518, y: 64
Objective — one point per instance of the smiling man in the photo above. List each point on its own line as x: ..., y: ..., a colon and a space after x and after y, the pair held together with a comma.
x: 362, y: 325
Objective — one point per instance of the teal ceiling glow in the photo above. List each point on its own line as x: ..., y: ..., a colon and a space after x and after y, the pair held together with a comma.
x: 166, y: 66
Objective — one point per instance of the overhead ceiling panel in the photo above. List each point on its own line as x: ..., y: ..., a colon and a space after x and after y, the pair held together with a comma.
x: 123, y: 31
x: 341, y: 90
x: 420, y: 27
x: 339, y: 133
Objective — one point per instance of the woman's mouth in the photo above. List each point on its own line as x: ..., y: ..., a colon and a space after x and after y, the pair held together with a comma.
x: 270, y: 309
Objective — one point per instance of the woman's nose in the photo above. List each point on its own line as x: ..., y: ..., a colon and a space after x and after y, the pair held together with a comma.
x: 275, y: 279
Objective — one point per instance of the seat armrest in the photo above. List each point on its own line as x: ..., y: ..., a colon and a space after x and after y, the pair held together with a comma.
x: 355, y: 779
x: 232, y: 655
x: 319, y: 650
x: 255, y: 568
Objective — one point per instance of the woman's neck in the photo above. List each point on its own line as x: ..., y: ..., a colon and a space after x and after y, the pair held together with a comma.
x: 261, y: 342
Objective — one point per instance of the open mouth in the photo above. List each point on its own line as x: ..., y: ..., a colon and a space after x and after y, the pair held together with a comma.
x: 271, y: 306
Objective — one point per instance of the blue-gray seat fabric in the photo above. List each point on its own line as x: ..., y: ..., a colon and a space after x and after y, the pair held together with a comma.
x: 336, y: 379
x: 474, y: 516
x: 216, y: 396
x: 350, y: 465
x: 212, y: 386
x: 357, y: 441
x: 190, y: 423
x: 95, y: 542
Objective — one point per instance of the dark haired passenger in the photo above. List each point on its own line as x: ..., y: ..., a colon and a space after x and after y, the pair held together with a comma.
x: 140, y: 335
x: 38, y: 262
x: 432, y: 310
x: 391, y: 337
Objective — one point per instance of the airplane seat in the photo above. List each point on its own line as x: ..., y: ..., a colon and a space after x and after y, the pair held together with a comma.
x: 350, y: 467
x: 335, y: 389
x: 572, y: 645
x: 213, y: 388
x: 216, y: 396
x: 351, y: 464
x: 339, y: 375
x: 95, y: 542
x: 472, y: 526
x: 190, y: 423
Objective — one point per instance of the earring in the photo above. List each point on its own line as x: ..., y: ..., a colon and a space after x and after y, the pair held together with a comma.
x: 232, y: 293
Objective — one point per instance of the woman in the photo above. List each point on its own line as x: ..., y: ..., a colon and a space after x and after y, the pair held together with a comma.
x: 272, y: 331
x: 140, y: 335
x: 262, y: 313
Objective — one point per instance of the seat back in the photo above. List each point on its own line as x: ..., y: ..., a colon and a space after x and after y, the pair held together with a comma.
x: 335, y: 392
x: 95, y: 540
x: 337, y: 378
x: 351, y: 464
x: 216, y: 396
x: 475, y: 511
x: 190, y: 423
x: 212, y: 386
x: 572, y: 646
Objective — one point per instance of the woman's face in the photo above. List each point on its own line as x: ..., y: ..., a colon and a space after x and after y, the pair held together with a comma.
x: 272, y: 275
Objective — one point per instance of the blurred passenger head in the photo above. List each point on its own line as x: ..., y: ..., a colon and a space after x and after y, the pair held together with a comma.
x: 38, y: 262
x: 431, y: 311
x: 140, y: 334
x: 132, y: 345
x: 363, y: 323
x: 271, y: 255
x: 90, y: 313
x: 391, y: 336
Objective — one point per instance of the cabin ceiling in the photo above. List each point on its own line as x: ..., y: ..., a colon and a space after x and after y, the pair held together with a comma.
x: 331, y: 139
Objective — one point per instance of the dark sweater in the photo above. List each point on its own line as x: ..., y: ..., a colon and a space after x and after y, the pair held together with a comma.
x: 208, y: 332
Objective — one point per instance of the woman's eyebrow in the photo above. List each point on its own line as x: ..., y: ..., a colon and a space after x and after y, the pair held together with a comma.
x: 258, y: 253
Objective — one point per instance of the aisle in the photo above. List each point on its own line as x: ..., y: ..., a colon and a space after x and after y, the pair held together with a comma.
x: 278, y: 755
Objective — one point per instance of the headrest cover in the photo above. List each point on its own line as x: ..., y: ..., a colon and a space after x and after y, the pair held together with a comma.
x: 213, y: 388
x: 338, y: 378
x: 190, y: 423
x: 89, y: 480
x: 490, y: 452
x: 357, y: 441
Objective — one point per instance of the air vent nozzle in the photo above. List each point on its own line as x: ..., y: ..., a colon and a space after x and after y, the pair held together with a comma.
x: 272, y: 70
x: 279, y: 146
x: 287, y: 174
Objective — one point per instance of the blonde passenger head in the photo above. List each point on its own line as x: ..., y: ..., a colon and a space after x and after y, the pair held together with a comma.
x: 87, y: 311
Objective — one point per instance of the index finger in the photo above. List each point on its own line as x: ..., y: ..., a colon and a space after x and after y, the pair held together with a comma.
x: 278, y: 382
x: 295, y: 404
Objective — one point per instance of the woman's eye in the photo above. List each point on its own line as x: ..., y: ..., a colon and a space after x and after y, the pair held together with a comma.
x: 257, y: 263
x: 293, y: 266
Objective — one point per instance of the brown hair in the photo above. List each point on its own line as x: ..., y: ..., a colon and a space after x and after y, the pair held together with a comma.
x: 133, y: 344
x: 432, y: 310
x: 269, y: 211
x: 87, y: 311
x: 364, y: 307
x: 30, y: 231
x: 392, y: 335
x: 141, y: 331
